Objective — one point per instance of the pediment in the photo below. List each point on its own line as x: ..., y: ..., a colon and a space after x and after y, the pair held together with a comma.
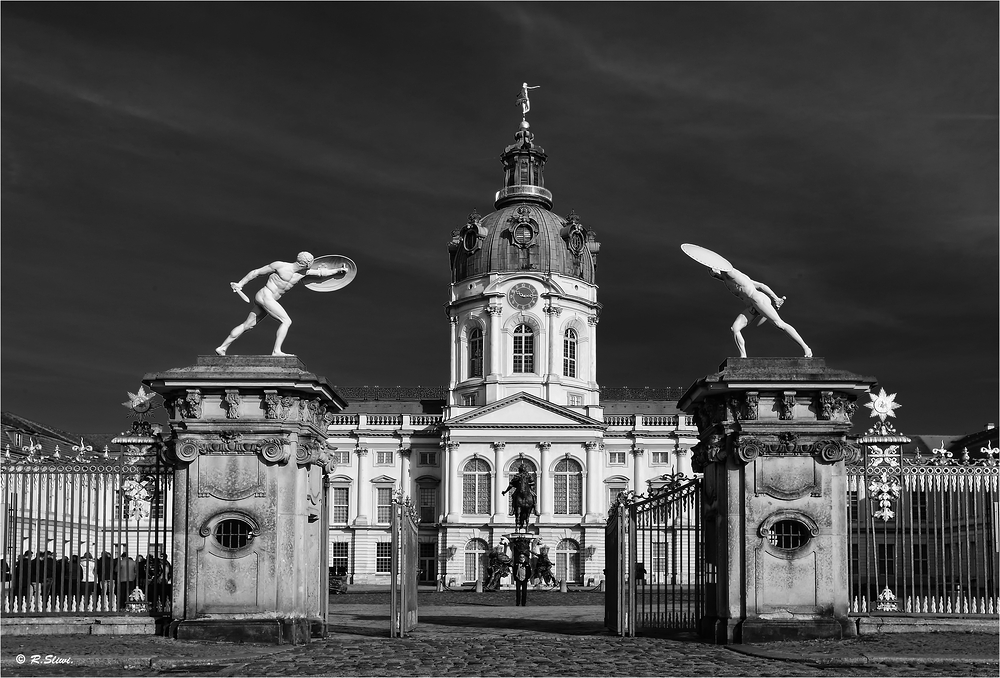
x: 523, y: 409
x: 383, y: 479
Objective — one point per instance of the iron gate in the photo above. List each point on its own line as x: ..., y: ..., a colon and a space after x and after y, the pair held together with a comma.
x: 404, y: 569
x: 656, y: 574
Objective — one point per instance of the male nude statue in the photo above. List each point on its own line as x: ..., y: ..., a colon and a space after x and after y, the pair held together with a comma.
x: 759, y: 297
x: 283, y: 277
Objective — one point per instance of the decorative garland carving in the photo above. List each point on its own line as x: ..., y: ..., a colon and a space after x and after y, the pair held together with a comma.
x: 708, y: 451
x: 190, y: 405
x: 232, y: 401
x: 751, y: 405
x: 827, y: 405
x: 287, y: 403
x: 272, y: 401
x: 786, y: 405
x: 829, y: 451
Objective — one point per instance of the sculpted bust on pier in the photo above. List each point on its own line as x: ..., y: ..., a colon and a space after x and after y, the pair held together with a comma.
x: 283, y: 276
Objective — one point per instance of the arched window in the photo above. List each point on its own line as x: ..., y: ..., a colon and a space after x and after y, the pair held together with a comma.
x: 530, y: 467
x: 476, y: 487
x: 476, y: 353
x: 524, y: 349
x: 567, y: 487
x: 475, y: 554
x: 569, y: 353
x: 568, y: 561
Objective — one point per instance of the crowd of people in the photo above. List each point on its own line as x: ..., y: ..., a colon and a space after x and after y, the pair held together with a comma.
x: 45, y: 582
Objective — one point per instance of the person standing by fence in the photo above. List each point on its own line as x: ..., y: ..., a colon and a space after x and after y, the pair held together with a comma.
x: 105, y: 571
x: 126, y: 577
x: 522, y: 573
x: 88, y: 579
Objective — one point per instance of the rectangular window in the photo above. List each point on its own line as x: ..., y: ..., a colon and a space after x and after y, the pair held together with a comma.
x: 338, y: 557
x: 428, y: 459
x: 341, y: 504
x: 469, y: 399
x: 661, y: 457
x: 569, y: 355
x: 476, y: 493
x: 613, y: 491
x: 524, y: 350
x: 616, y: 458
x: 428, y: 504
x: 383, y: 557
x: 383, y: 457
x: 342, y: 457
x: 575, y: 400
x: 384, y: 503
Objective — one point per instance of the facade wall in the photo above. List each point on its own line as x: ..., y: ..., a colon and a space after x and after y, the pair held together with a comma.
x: 390, y: 452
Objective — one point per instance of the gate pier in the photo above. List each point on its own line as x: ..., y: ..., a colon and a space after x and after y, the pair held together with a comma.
x: 250, y: 518
x: 772, y: 446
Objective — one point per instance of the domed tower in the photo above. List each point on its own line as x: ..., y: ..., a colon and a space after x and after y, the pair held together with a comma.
x: 523, y: 302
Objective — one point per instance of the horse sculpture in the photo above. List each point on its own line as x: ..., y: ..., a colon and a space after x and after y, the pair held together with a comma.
x: 523, y: 499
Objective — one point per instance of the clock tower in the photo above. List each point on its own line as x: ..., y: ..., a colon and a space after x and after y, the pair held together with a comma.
x: 523, y: 302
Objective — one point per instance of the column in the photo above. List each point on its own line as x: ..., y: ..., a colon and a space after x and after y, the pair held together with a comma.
x: 454, y: 507
x: 453, y: 327
x: 495, y: 342
x: 545, y: 484
x: 364, y: 491
x: 592, y: 321
x: 553, y: 372
x: 637, y: 478
x: 404, y: 471
x: 499, y: 484
x: 593, y: 497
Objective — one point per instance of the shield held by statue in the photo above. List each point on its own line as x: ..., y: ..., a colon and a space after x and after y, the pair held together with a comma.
x: 337, y: 280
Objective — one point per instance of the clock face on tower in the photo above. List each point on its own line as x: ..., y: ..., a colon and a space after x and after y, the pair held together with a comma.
x: 522, y: 296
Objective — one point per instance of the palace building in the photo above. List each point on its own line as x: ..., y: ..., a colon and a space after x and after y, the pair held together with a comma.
x: 523, y: 311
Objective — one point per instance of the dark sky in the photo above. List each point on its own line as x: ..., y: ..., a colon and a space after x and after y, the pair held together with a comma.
x: 844, y: 154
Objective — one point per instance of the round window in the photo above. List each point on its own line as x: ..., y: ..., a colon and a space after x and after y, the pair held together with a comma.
x: 788, y: 534
x: 233, y: 533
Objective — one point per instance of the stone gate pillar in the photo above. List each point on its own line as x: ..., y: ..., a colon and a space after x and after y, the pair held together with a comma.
x: 249, y: 439
x: 772, y: 445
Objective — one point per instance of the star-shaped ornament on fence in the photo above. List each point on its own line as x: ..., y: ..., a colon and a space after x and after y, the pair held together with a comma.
x: 140, y: 404
x: 882, y: 406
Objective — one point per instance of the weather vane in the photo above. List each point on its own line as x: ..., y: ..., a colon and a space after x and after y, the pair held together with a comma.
x: 522, y: 99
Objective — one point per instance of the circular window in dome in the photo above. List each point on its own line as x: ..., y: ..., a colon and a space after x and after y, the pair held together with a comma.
x: 471, y: 240
x: 523, y: 234
x: 788, y: 535
x: 576, y: 242
x: 233, y: 533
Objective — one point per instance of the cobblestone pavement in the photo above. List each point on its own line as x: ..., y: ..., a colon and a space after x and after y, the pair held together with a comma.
x: 484, y: 635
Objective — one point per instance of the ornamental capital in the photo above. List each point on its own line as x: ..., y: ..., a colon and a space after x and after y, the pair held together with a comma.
x: 494, y: 310
x: 545, y: 447
x: 498, y: 446
x: 593, y: 320
x: 361, y: 451
x: 553, y: 310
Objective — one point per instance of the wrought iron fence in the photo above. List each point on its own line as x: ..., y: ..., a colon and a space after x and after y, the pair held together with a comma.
x: 923, y: 531
x: 92, y: 536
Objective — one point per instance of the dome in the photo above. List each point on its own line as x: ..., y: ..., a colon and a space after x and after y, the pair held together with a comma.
x: 522, y: 234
